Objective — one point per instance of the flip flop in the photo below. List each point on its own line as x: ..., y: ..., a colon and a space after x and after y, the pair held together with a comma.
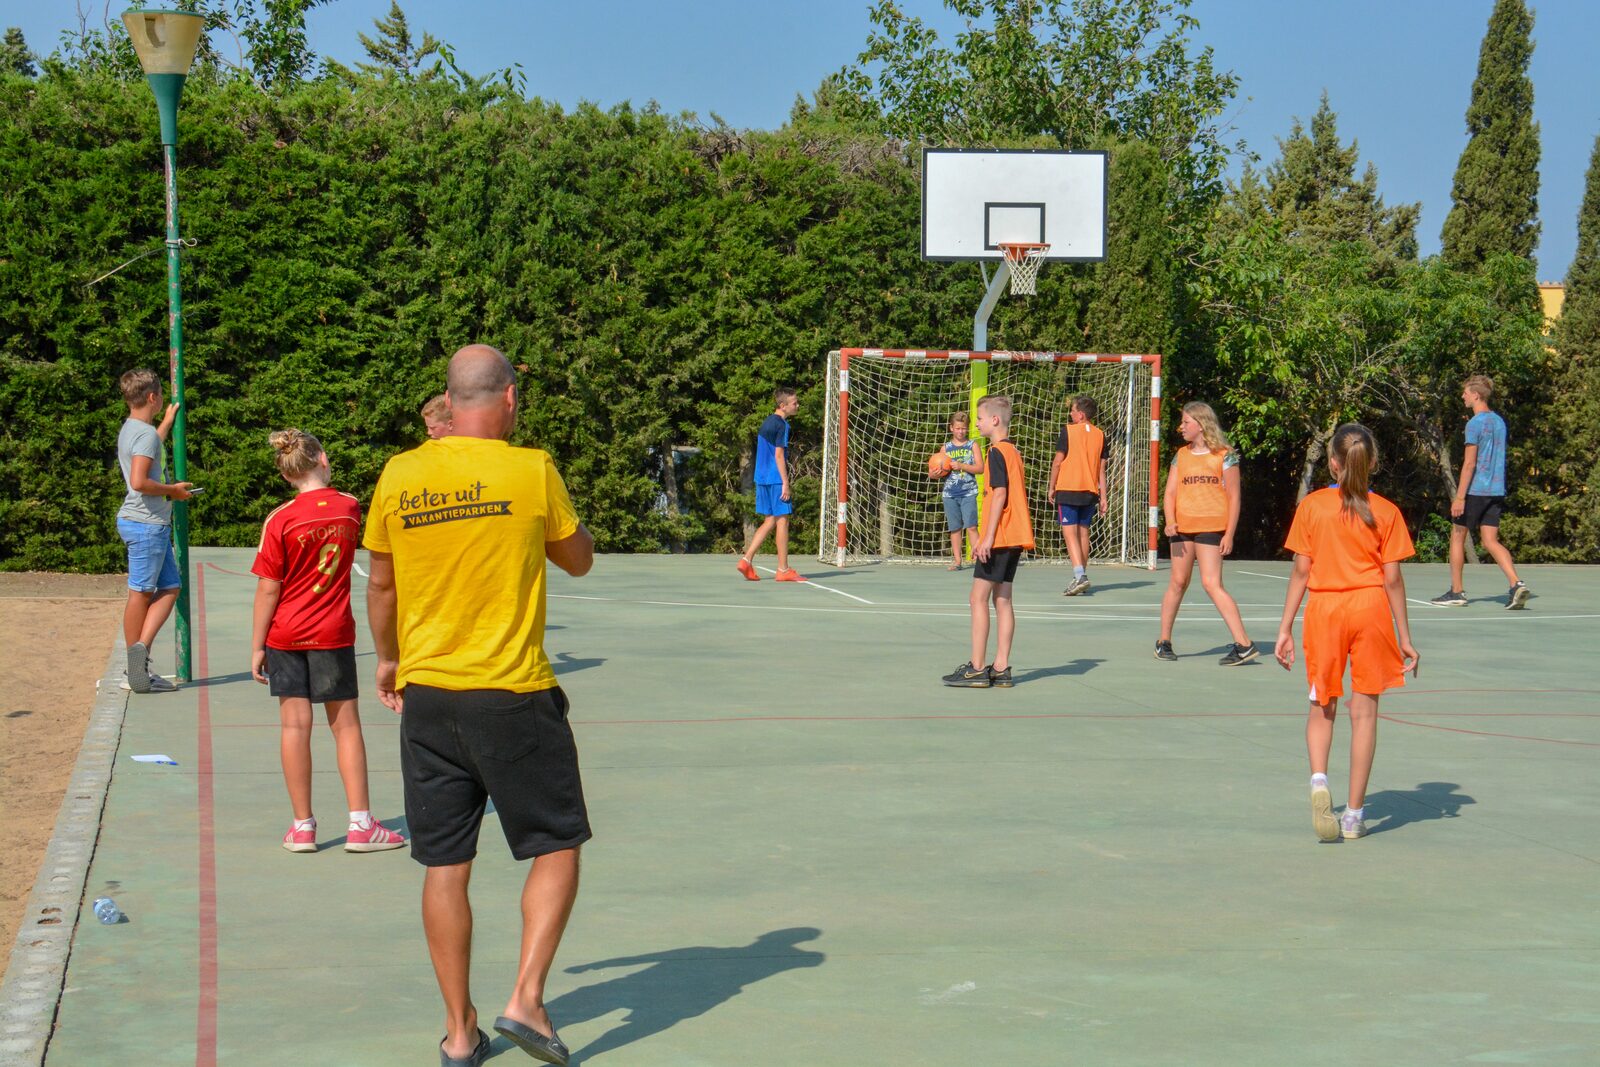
x: 549, y: 1049
x: 474, y: 1058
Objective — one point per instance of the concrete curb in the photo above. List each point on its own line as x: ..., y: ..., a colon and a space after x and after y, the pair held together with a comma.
x: 38, y: 968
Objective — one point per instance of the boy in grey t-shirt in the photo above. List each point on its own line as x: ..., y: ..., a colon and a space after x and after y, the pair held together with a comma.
x: 144, y: 523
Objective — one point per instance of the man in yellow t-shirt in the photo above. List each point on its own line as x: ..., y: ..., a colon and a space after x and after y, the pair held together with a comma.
x: 459, y: 530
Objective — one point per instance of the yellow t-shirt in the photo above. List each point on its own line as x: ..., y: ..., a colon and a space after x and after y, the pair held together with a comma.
x: 466, y: 520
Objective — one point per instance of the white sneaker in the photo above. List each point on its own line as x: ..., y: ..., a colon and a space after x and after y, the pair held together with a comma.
x: 158, y: 684
x: 1322, y: 820
x: 1351, y: 826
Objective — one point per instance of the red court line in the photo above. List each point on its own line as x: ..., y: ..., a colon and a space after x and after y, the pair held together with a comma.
x: 225, y: 570
x: 205, y: 1030
x: 1485, y: 733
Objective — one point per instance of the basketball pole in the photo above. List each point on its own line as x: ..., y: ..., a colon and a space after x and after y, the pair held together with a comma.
x: 979, y: 368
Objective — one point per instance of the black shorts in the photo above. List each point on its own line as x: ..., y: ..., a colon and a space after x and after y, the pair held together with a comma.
x: 319, y: 675
x: 1002, y: 565
x: 1480, y: 511
x: 461, y: 748
x: 1209, y: 537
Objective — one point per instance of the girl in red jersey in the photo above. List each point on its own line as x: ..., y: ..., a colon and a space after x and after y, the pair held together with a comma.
x: 1347, y: 543
x: 1202, y: 510
x: 303, y: 644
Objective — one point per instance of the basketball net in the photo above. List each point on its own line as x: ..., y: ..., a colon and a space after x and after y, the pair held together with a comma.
x: 1023, y: 261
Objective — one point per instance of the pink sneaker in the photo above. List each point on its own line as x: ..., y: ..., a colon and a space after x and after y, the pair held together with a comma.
x: 375, y: 838
x: 748, y: 571
x: 790, y: 575
x: 300, y: 839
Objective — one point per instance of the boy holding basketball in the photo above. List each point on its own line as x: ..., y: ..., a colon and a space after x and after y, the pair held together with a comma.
x: 773, y: 494
x: 1078, y: 480
x: 960, y: 494
x: 1007, y: 533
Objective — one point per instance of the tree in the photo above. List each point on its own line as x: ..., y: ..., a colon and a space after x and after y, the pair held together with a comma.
x: 1562, y: 492
x: 15, y: 58
x: 1496, y: 189
x: 394, y: 51
x: 1073, y: 73
x: 1313, y: 191
x: 276, y: 46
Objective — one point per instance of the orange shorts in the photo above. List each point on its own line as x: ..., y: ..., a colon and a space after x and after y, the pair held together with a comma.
x: 1353, y: 626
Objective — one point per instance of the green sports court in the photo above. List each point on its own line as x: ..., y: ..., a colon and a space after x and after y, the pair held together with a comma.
x: 809, y: 851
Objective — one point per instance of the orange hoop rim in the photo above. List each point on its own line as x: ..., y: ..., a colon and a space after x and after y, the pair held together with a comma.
x: 1015, y: 251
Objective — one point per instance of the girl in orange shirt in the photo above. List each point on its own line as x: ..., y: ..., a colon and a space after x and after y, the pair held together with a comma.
x: 1202, y: 510
x: 1347, y: 543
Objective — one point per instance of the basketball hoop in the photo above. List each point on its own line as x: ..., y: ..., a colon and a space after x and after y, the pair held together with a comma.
x: 1023, y: 260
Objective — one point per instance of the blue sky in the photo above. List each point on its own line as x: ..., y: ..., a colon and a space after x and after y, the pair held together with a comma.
x: 1398, y: 72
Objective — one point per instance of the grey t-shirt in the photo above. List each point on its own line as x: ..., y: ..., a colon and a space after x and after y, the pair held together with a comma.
x: 139, y: 438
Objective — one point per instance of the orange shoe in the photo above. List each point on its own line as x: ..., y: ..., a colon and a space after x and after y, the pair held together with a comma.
x: 749, y: 571
x: 790, y: 575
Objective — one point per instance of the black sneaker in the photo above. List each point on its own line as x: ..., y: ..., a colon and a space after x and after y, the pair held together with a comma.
x: 1000, y: 679
x: 1451, y: 598
x: 965, y: 677
x: 1164, y: 650
x: 1240, y: 654
x: 1519, y: 595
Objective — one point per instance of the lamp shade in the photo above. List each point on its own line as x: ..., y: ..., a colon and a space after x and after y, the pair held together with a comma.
x: 165, y: 40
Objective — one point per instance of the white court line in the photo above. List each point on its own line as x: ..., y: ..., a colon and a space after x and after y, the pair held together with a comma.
x: 358, y: 570
x: 819, y: 585
x: 1282, y: 578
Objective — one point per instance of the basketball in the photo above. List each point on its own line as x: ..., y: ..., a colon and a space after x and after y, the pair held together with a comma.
x: 939, y: 464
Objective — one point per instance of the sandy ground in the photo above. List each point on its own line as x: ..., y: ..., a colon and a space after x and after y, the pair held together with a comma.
x: 57, y: 630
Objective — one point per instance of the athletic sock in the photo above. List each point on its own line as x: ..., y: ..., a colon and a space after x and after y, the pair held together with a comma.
x: 1080, y: 572
x: 1319, y: 781
x: 361, y: 820
x: 1355, y: 813
x: 306, y: 824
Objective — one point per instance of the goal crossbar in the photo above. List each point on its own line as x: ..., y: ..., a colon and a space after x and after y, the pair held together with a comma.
x: 888, y: 409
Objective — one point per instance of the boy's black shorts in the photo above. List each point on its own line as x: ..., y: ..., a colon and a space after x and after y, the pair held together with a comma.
x: 1480, y: 511
x: 319, y: 675
x: 459, y: 749
x: 1001, y: 567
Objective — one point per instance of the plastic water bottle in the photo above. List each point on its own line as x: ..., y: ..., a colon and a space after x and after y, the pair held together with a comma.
x: 105, y: 909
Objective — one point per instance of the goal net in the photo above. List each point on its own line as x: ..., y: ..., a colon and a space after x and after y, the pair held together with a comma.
x: 889, y: 410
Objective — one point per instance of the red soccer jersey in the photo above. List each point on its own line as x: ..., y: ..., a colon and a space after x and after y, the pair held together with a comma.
x: 309, y: 545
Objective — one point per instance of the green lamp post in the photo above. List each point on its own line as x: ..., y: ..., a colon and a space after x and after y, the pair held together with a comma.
x: 166, y: 43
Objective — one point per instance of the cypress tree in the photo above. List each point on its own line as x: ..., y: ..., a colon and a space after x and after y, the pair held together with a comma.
x: 15, y: 56
x: 1496, y: 189
x: 1574, y: 422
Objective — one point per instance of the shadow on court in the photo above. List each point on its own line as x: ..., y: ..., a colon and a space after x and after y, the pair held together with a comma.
x: 566, y: 663
x: 1400, y: 807
x: 1098, y: 587
x: 1077, y: 666
x: 677, y: 984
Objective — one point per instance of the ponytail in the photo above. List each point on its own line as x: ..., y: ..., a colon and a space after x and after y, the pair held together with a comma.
x: 297, y: 451
x: 1357, y: 455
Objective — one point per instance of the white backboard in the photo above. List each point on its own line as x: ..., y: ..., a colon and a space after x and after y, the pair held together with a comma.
x: 974, y: 198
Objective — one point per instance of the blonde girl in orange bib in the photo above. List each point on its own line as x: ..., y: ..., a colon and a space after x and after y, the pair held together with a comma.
x: 1347, y: 543
x: 1201, y: 506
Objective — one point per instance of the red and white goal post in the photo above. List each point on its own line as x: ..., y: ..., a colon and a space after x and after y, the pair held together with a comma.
x: 889, y: 410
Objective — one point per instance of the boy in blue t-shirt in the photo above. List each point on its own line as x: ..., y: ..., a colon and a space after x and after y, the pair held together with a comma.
x: 1480, y: 496
x: 960, y: 494
x: 773, y: 496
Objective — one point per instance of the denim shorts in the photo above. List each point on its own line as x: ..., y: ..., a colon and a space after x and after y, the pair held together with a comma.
x: 961, y: 512
x: 152, y: 566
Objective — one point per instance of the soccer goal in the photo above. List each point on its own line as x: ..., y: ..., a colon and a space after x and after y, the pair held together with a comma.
x: 888, y: 410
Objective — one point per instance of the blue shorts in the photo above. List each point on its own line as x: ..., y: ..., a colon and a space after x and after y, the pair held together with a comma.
x: 769, y: 500
x: 1075, y: 514
x: 961, y: 512
x: 152, y: 566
